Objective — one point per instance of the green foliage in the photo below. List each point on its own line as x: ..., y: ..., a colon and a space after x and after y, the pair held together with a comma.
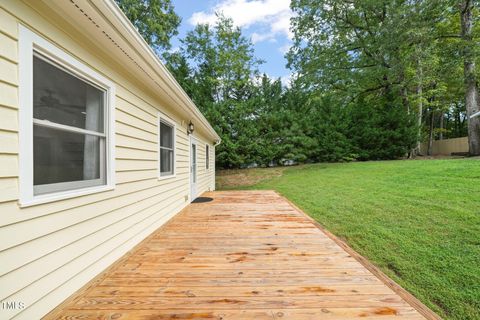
x: 154, y: 19
x: 416, y: 220
x: 378, y: 54
x: 386, y: 132
x: 372, y: 78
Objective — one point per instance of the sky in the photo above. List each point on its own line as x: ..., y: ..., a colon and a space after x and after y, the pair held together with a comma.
x: 265, y: 22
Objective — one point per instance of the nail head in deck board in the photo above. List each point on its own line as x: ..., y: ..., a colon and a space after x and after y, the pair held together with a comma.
x: 245, y: 255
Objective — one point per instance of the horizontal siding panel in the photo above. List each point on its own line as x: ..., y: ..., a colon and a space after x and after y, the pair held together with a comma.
x: 8, y: 189
x: 10, y: 213
x: 33, y: 250
x: 8, y: 48
x: 135, y: 122
x: 8, y: 24
x: 32, y: 293
x: 138, y: 102
x: 127, y: 153
x: 8, y: 71
x: 28, y: 230
x: 130, y: 176
x: 135, y: 132
x: 8, y: 95
x: 127, y: 107
x: 8, y: 119
x: 86, y: 237
x: 133, y: 165
x: 9, y: 167
x: 182, y: 148
x: 134, y: 143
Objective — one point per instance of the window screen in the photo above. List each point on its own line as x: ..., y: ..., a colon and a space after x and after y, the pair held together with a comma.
x: 68, y: 129
x: 166, y: 149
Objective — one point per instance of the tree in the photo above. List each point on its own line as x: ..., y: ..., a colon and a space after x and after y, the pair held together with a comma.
x: 156, y: 21
x: 471, y: 85
x: 361, y: 51
x: 223, y: 68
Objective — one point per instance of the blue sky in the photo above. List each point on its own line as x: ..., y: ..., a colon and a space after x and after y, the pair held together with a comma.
x: 265, y: 22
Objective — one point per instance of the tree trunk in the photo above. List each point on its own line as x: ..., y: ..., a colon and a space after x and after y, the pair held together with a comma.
x: 420, y: 109
x: 430, y: 136
x: 471, y: 86
x: 440, y: 136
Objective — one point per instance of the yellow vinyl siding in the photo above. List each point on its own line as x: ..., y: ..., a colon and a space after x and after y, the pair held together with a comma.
x: 8, y: 49
x: 8, y: 25
x: 8, y: 141
x: 9, y: 165
x: 9, y: 72
x: 50, y: 250
x: 8, y: 119
x: 8, y: 94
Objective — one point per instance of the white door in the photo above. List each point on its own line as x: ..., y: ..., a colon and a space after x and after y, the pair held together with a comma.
x: 193, y: 170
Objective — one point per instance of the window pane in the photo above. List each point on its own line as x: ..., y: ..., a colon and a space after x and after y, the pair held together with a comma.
x: 207, y: 158
x: 166, y: 162
x: 62, y: 98
x: 166, y: 135
x: 61, y: 156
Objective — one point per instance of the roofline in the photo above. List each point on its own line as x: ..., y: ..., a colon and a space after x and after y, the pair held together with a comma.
x: 120, y: 22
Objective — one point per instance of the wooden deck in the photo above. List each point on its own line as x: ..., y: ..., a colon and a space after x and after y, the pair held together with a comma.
x: 245, y: 255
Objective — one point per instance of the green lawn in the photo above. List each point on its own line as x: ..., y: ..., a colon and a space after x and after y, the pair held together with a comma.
x: 418, y: 220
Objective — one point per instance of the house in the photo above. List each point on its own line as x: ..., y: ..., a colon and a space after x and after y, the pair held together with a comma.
x: 99, y: 146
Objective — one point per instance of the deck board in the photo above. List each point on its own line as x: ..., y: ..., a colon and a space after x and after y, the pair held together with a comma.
x: 246, y: 255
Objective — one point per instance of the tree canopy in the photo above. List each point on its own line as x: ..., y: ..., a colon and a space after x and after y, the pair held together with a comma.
x: 156, y: 20
x: 373, y: 79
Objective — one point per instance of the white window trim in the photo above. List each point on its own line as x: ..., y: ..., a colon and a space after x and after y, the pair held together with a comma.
x: 28, y: 42
x: 163, y: 118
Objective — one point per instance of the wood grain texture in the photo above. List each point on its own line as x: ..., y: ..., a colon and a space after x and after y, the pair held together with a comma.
x: 245, y: 255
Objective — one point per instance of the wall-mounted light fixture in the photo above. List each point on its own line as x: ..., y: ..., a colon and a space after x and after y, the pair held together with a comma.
x: 190, y: 128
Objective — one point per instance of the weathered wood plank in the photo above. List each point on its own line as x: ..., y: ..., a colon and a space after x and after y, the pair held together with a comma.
x: 237, y: 281
x: 245, y: 255
x: 154, y: 272
x: 253, y: 291
x: 297, y: 314
x: 248, y: 303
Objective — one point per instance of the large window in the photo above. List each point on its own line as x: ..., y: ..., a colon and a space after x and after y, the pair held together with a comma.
x: 66, y: 142
x: 167, y: 148
x: 68, y: 130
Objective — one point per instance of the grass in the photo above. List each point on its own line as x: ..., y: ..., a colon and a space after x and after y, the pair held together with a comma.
x: 418, y: 220
x: 240, y: 178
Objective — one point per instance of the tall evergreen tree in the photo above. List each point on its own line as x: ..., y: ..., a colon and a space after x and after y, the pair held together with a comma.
x: 223, y: 68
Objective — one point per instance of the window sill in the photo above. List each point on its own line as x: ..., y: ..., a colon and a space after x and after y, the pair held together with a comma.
x: 47, y: 198
x: 166, y: 177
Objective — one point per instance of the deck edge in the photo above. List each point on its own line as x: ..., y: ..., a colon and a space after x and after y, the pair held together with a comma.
x: 403, y: 293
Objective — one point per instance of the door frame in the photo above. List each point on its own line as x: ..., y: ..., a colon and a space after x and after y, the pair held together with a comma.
x: 193, y: 186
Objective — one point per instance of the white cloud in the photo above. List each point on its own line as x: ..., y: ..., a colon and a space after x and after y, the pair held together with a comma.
x: 259, y: 37
x: 287, y: 79
x: 284, y: 49
x: 273, y: 15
